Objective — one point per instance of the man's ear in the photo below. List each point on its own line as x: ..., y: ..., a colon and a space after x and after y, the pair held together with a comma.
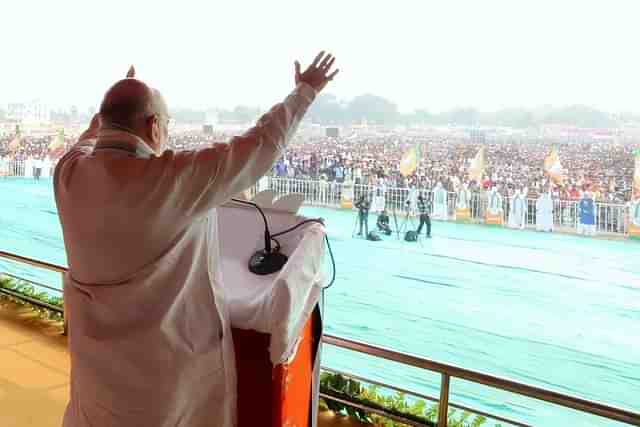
x: 152, y: 130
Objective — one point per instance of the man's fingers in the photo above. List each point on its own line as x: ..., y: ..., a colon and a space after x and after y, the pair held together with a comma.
x: 297, y: 67
x: 329, y: 64
x: 325, y: 61
x: 318, y: 58
x: 332, y: 75
x: 131, y: 73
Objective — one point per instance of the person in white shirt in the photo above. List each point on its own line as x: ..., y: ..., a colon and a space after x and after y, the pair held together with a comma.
x: 544, y: 212
x: 149, y: 334
x: 37, y: 168
x: 518, y: 210
x: 440, y: 207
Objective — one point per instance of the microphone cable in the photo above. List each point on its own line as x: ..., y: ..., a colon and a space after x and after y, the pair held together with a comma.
x: 289, y: 230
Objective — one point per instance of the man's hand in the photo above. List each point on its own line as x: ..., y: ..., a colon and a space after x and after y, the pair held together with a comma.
x: 92, y: 132
x: 131, y: 73
x: 318, y: 74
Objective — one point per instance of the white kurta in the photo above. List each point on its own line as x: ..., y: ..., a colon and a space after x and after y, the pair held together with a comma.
x: 412, y: 200
x: 379, y: 199
x: 149, y: 333
x: 494, y: 203
x: 544, y: 213
x: 518, y: 212
x: 28, y: 167
x: 463, y: 199
x: 46, y: 168
x: 440, y: 210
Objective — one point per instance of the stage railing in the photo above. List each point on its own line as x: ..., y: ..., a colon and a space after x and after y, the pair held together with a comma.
x: 610, y: 218
x: 446, y: 371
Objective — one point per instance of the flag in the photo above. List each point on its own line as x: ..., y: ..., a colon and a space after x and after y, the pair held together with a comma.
x: 636, y: 174
x: 478, y: 164
x: 17, y: 141
x: 56, y: 147
x: 553, y: 167
x: 410, y: 160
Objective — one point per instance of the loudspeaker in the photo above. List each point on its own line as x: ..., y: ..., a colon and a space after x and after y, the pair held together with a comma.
x: 332, y: 132
x: 411, y: 236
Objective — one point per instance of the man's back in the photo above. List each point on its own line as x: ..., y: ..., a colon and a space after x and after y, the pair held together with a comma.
x: 145, y: 321
x: 149, y: 332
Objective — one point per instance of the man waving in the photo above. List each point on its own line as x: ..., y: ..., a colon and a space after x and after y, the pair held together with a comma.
x: 149, y: 332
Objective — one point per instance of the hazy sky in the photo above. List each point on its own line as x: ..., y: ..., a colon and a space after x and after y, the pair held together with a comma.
x: 434, y: 54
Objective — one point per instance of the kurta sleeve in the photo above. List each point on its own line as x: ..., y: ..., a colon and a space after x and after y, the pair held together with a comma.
x: 208, y: 177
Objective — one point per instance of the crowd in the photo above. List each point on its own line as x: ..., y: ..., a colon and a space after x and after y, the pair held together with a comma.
x: 604, y: 168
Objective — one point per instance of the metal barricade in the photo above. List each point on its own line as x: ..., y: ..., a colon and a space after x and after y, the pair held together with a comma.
x: 610, y: 218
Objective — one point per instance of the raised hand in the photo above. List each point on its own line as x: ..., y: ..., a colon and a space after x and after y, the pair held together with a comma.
x: 318, y: 74
x: 131, y: 73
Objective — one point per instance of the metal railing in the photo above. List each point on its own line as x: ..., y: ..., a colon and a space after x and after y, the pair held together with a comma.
x: 24, y: 168
x: 446, y: 371
x: 451, y: 371
x: 611, y: 218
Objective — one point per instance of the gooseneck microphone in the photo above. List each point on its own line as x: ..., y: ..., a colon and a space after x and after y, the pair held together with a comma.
x: 268, y: 260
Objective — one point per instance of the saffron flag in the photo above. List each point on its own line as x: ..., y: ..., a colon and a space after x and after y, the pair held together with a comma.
x: 56, y: 147
x: 553, y: 167
x: 410, y: 160
x: 636, y: 174
x: 478, y: 164
x: 17, y: 141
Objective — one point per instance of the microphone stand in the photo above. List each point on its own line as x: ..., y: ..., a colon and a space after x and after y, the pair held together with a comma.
x: 268, y: 260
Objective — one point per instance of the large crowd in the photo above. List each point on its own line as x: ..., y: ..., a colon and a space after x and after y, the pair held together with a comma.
x: 602, y: 167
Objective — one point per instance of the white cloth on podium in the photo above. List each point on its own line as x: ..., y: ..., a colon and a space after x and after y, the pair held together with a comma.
x: 277, y: 304
x: 149, y: 332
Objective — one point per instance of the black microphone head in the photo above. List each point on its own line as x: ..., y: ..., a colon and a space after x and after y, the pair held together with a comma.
x: 263, y: 262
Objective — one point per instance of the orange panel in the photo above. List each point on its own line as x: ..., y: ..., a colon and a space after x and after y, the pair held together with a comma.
x: 292, y: 384
x: 281, y: 394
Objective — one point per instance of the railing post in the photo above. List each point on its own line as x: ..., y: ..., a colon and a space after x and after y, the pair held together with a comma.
x: 64, y: 312
x: 443, y: 407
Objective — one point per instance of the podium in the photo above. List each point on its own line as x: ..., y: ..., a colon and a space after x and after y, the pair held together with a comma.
x: 276, y: 321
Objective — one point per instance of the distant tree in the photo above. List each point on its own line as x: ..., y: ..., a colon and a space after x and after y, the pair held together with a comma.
x: 373, y: 109
x: 580, y: 116
x: 461, y: 117
x: 509, y: 117
x: 327, y: 110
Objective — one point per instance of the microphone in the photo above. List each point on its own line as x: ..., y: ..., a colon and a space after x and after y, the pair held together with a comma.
x: 268, y: 260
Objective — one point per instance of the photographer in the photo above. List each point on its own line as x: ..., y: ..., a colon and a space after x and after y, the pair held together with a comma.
x: 363, y: 204
x: 383, y: 223
x: 423, y: 209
